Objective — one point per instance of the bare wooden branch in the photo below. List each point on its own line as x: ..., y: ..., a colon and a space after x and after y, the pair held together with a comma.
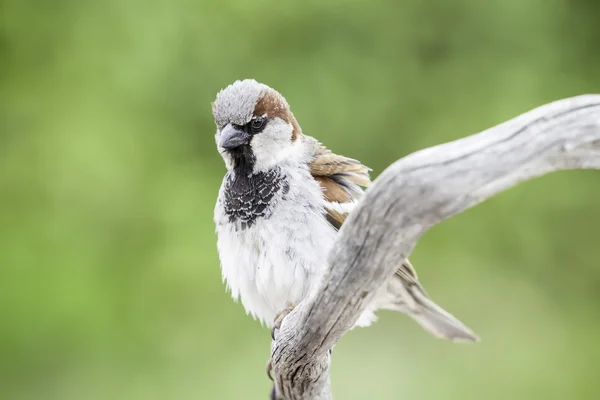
x: 408, y: 198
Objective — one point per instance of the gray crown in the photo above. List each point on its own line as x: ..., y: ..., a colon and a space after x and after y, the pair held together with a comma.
x: 235, y: 104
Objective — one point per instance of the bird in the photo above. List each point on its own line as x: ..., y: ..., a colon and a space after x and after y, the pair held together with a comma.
x: 280, y: 206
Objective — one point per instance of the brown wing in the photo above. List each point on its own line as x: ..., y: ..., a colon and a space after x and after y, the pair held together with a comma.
x: 341, y: 179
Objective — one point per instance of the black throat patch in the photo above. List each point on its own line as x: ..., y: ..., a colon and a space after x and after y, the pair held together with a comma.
x: 247, y: 195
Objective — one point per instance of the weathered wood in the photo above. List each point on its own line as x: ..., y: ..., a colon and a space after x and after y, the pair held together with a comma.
x: 408, y: 198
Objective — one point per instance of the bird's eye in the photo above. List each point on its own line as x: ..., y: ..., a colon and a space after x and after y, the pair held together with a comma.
x: 257, y: 124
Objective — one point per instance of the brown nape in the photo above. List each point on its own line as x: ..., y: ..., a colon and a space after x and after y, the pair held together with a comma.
x: 274, y: 106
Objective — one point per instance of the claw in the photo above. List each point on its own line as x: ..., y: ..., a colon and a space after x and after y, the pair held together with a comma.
x: 269, y: 368
x: 276, y: 325
x: 279, y: 319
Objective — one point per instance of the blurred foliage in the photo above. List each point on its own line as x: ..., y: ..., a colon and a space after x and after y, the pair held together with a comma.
x: 109, y: 280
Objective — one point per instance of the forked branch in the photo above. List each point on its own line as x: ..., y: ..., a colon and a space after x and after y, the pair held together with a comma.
x: 412, y: 195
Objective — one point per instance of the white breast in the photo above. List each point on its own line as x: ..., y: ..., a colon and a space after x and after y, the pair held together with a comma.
x: 273, y: 263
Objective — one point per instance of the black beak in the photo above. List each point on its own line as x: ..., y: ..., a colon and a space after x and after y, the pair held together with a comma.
x: 232, y: 138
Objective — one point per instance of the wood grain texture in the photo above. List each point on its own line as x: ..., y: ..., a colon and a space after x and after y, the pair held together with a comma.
x: 408, y: 198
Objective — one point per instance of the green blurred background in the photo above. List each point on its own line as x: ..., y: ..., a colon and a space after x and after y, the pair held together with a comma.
x: 110, y: 285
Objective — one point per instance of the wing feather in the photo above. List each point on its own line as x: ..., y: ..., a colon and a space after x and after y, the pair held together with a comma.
x: 341, y: 179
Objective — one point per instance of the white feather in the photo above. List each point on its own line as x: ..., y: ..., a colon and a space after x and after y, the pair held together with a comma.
x: 341, y: 208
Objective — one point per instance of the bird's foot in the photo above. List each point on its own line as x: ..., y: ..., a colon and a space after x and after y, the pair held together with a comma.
x: 269, y: 368
x: 276, y: 325
x: 279, y: 319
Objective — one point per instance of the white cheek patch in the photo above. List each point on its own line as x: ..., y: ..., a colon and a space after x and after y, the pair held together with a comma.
x: 274, y: 146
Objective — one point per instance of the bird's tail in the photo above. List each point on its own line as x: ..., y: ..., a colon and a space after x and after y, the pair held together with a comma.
x: 408, y: 296
x: 438, y: 321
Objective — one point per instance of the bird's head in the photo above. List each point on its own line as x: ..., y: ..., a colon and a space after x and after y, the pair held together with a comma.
x: 256, y: 130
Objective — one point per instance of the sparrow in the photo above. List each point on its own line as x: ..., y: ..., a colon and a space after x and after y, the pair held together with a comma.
x: 281, y: 203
